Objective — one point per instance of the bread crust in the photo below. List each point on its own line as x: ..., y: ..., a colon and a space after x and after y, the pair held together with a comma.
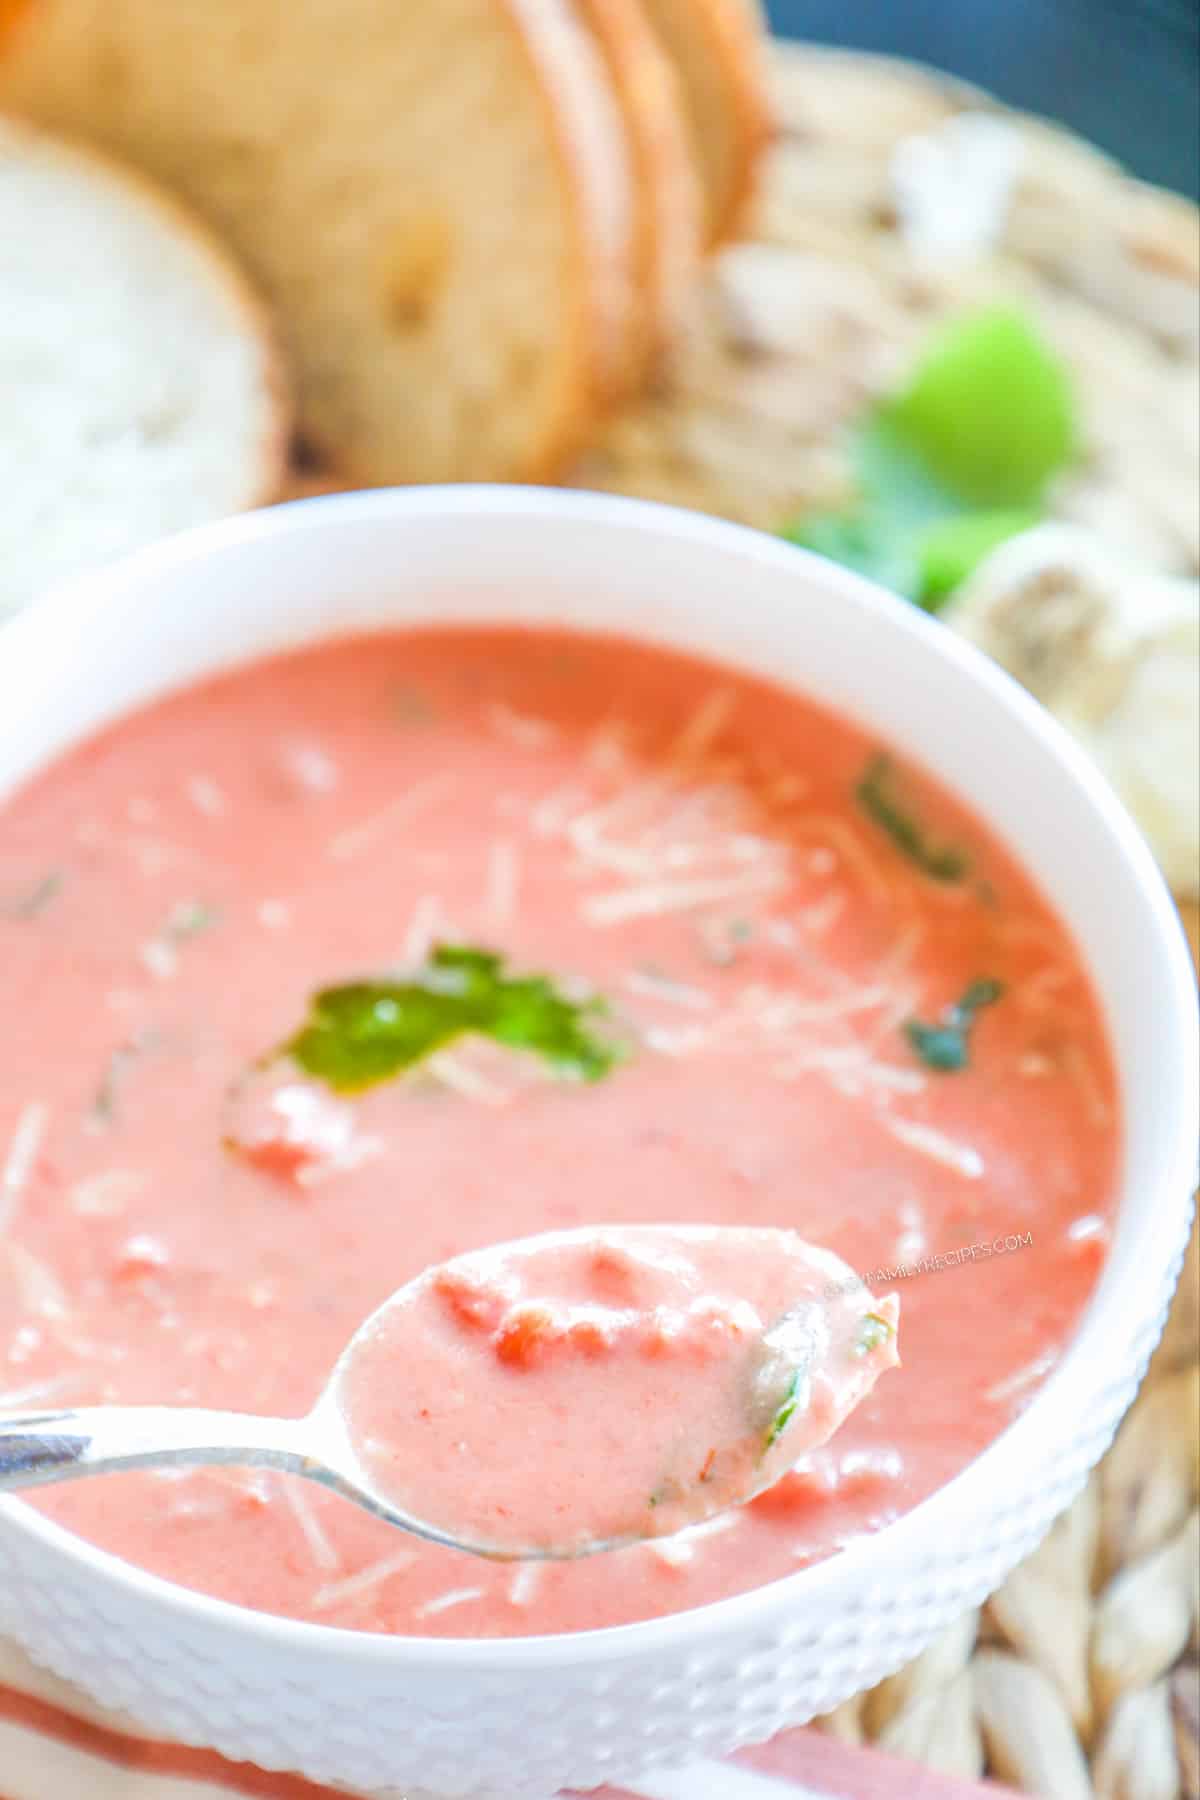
x: 729, y: 35
x: 668, y: 221
x: 595, y: 157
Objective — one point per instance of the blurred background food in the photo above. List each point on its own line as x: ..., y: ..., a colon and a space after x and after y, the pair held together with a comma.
x: 140, y: 386
x: 638, y: 246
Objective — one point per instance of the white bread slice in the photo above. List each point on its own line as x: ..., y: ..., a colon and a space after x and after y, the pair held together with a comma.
x: 434, y: 193
x: 719, y: 51
x: 139, y: 387
x: 668, y: 221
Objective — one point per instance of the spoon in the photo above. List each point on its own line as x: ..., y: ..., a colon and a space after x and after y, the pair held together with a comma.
x: 552, y: 1397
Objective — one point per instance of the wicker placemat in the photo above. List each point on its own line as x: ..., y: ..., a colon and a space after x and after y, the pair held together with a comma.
x: 796, y: 329
x: 1081, y: 1677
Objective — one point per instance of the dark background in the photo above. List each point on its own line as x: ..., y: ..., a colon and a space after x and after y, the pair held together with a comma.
x: 1124, y: 73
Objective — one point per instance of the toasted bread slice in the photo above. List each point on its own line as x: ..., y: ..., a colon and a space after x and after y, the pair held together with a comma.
x: 140, y: 391
x: 437, y: 197
x: 718, y: 48
x: 668, y: 221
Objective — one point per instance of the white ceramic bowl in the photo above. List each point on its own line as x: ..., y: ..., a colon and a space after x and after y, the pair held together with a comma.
x: 523, y: 1718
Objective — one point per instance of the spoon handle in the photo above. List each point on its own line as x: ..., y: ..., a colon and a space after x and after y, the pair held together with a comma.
x: 41, y: 1447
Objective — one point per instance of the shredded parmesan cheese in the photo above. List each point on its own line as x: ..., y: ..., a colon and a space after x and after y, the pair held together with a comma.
x: 677, y: 1040
x: 660, y: 987
x: 22, y: 1153
x: 786, y: 1012
x: 524, y: 732
x: 703, y: 728
x: 1037, y: 993
x: 848, y: 847
x: 367, y: 1581
x: 912, y: 1242
x: 402, y: 811
x: 106, y: 1196
x: 38, y: 1287
x: 851, y: 1069
x: 443, y: 1602
x: 206, y: 796
x: 454, y: 1071
x: 553, y: 812
x: 1023, y: 1378
x: 1079, y: 1070
x: 656, y: 898
x: 322, y: 1551
x: 900, y: 957
x: 503, y: 878
x: 823, y: 915
x: 309, y: 767
x: 680, y: 1549
x: 611, y: 748
x: 158, y: 957
x: 350, y: 1155
x: 525, y: 1583
x: 38, y: 1392
x: 422, y: 930
x: 962, y: 1158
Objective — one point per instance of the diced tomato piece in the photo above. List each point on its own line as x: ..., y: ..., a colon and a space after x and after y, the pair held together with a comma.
x: 278, y: 1156
x: 589, y: 1336
x: 526, y: 1334
x: 290, y: 1129
x: 473, y: 1299
x: 137, y: 1258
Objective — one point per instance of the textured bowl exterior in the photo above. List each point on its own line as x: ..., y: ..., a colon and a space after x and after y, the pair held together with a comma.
x: 496, y: 1720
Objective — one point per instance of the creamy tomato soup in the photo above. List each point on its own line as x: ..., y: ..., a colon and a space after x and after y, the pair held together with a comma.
x: 731, y: 963
x: 652, y: 1378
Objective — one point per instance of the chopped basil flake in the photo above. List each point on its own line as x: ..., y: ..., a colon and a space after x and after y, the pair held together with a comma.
x: 38, y: 898
x: 875, y: 1331
x: 783, y: 1417
x: 945, y: 1046
x: 189, y: 919
x: 877, y: 797
x: 105, y: 1100
x: 370, y: 1031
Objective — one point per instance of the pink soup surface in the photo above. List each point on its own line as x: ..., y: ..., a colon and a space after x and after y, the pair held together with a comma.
x: 780, y: 927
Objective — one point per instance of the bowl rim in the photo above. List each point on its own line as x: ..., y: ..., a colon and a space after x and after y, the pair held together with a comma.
x: 949, y: 1509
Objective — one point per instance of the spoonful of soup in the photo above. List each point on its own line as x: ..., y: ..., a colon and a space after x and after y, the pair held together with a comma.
x: 559, y: 1395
